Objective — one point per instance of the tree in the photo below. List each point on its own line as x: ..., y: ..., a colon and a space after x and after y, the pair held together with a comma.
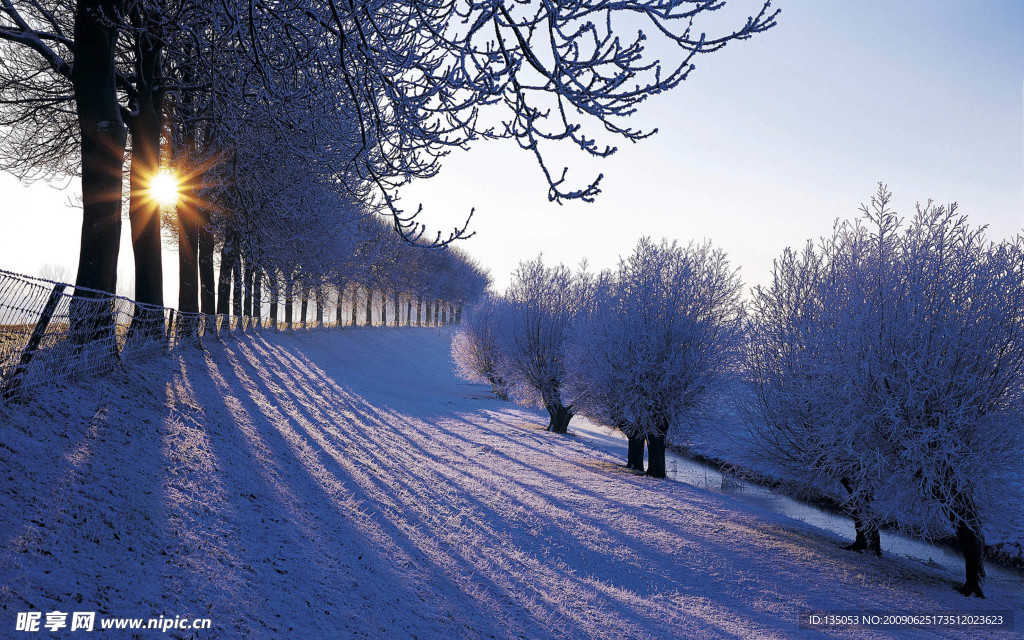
x: 800, y: 392
x: 913, y: 372
x: 475, y: 346
x: 541, y: 305
x: 663, y: 332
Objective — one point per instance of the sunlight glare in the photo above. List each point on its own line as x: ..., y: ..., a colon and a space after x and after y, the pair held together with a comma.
x: 164, y: 188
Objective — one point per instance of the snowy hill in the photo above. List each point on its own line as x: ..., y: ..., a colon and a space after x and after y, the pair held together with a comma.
x: 344, y: 484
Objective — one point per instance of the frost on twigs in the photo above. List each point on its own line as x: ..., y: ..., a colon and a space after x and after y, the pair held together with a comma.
x: 661, y: 334
x: 887, y: 366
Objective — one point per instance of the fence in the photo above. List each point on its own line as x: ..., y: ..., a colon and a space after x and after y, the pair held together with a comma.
x: 52, y: 332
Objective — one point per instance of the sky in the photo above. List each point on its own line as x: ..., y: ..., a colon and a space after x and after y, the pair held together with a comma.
x: 765, y: 145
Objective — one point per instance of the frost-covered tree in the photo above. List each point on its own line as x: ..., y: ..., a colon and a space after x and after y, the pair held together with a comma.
x: 661, y: 334
x: 536, y: 321
x: 909, y: 386
x: 475, y: 346
x: 801, y: 390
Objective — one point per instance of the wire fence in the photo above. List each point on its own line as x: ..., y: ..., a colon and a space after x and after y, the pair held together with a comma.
x: 52, y: 332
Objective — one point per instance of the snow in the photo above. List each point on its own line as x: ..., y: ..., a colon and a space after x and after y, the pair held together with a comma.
x: 344, y: 483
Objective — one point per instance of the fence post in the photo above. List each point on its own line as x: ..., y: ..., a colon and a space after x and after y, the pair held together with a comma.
x: 170, y: 329
x: 14, y: 381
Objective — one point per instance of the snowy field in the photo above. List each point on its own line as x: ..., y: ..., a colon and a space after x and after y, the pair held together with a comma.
x: 344, y: 484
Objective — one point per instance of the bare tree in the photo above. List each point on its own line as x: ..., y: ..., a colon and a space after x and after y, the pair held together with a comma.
x: 541, y: 306
x: 662, y: 333
x: 906, y: 382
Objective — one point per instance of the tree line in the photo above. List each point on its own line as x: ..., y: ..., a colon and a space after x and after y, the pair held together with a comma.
x: 289, y: 124
x: 883, y: 365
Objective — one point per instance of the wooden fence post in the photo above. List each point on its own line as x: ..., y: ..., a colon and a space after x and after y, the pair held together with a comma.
x: 13, y: 383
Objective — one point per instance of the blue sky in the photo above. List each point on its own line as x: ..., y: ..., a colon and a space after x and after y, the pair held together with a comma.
x: 764, y: 146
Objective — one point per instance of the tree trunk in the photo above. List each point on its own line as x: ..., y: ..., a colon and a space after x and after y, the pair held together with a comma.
x: 369, y: 307
x: 635, y: 452
x: 867, y: 537
x: 257, y: 294
x: 972, y: 545
x: 143, y: 209
x: 103, y: 139
x: 656, y: 456
x: 188, y: 271
x: 227, y: 261
x: 236, y: 284
x: 419, y: 311
x: 341, y: 306
x: 383, y: 308
x: 560, y: 417
x: 656, y: 448
x: 303, y: 314
x: 273, y: 285
x: 247, y: 303
x: 207, y: 278
x: 188, y: 266
x: 320, y: 305
x: 288, y: 287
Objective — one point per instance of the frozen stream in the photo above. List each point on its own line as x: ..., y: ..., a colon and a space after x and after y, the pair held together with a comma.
x: 705, y: 476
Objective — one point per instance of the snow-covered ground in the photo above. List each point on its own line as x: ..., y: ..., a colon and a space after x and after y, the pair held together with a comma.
x: 344, y: 484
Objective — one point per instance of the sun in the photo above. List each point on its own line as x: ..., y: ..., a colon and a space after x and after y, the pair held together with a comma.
x: 163, y: 188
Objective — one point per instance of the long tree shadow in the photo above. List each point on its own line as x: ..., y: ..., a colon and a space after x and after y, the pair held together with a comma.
x: 404, y: 485
x: 429, y: 459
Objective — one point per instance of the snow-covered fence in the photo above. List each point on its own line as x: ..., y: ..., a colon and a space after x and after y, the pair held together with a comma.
x: 51, y: 331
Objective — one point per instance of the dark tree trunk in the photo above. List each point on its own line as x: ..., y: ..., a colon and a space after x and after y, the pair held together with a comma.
x: 656, y: 456
x: 103, y: 139
x: 304, y: 312
x: 635, y: 452
x: 247, y: 303
x: 257, y: 294
x: 227, y: 260
x: 143, y: 210
x: 288, y: 287
x: 408, y: 313
x: 207, y: 278
x: 969, y: 537
x: 188, y: 271
x: 354, y: 303
x: 320, y: 299
x: 560, y: 417
x: 498, y: 387
x: 383, y: 308
x: 369, y: 307
x: 341, y: 306
x: 867, y: 537
x: 273, y: 286
x: 419, y: 311
x: 188, y: 266
x: 236, y: 285
x: 656, y: 448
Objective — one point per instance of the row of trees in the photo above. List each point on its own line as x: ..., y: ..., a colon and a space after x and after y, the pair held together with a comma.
x: 883, y: 366
x: 290, y: 124
x: 888, y: 360
x: 645, y: 347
